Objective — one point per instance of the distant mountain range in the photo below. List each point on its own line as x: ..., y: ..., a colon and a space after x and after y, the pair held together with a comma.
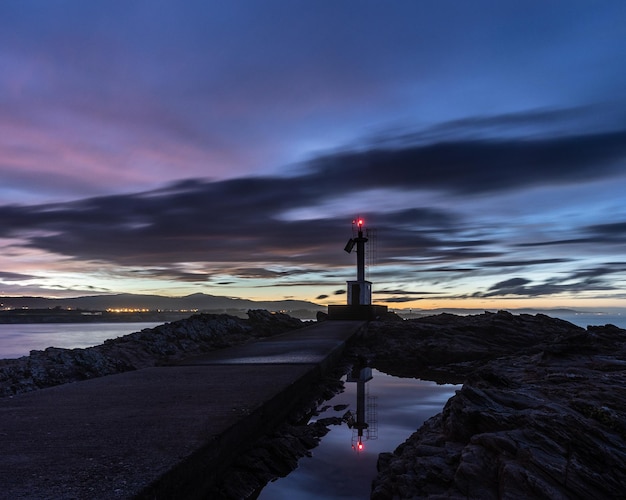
x: 215, y: 303
x: 199, y: 301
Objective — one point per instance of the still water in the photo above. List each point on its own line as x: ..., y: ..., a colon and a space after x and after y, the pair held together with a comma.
x: 598, y: 319
x: 19, y: 340
x: 393, y: 408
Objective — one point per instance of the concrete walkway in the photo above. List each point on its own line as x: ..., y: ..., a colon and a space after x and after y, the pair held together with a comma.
x: 158, y: 432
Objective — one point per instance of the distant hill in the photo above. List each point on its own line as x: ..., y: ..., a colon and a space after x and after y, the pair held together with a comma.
x: 199, y: 301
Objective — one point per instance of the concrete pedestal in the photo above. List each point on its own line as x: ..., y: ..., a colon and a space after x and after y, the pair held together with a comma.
x: 356, y: 312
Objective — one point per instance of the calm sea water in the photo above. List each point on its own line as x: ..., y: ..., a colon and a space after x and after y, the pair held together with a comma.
x: 338, y: 468
x: 598, y: 319
x: 19, y: 340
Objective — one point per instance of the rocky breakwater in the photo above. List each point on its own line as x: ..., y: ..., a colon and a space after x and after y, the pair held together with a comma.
x: 541, y: 414
x: 163, y: 344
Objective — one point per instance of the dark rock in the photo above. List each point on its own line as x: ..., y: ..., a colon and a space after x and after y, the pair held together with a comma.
x: 458, y: 345
x: 542, y: 411
x: 389, y: 316
x: 265, y: 323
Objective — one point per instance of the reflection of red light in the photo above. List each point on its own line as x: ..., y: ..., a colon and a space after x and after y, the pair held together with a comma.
x: 360, y: 446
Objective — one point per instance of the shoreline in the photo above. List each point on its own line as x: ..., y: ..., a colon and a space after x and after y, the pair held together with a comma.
x: 541, y: 407
x: 163, y: 344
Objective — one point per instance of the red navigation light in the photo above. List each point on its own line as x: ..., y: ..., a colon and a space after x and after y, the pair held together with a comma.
x: 360, y: 222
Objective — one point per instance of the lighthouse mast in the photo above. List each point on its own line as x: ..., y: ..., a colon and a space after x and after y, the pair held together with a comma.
x: 360, y: 241
x: 359, y: 291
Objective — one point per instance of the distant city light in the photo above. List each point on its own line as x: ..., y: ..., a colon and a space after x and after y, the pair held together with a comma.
x: 127, y: 310
x: 124, y: 310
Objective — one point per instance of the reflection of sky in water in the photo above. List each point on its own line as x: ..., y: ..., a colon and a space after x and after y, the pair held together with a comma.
x: 18, y: 340
x: 335, y: 470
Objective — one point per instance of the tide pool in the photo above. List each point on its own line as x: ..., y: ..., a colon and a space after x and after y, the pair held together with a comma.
x: 393, y: 409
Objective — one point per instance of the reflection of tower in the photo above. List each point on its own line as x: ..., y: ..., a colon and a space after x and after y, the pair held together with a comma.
x: 366, y: 418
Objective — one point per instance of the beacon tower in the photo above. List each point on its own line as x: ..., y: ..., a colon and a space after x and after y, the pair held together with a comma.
x: 359, y: 291
x: 359, y: 306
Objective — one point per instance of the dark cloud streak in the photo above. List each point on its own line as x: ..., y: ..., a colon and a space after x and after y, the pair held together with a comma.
x: 8, y: 276
x: 478, y: 166
x: 583, y: 281
x: 238, y: 225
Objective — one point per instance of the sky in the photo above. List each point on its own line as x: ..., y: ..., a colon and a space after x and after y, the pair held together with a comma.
x: 179, y: 147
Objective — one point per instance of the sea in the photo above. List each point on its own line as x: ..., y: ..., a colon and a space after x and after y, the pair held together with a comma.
x: 17, y: 340
x: 584, y: 319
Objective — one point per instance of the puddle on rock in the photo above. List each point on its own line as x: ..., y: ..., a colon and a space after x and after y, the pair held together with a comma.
x: 378, y: 412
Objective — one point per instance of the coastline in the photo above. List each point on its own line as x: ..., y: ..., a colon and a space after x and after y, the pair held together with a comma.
x: 541, y: 407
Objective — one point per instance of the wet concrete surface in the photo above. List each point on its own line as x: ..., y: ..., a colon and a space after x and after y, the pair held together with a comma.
x: 158, y: 432
x: 310, y: 345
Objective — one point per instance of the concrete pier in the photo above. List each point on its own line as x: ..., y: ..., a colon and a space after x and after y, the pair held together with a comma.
x: 162, y: 432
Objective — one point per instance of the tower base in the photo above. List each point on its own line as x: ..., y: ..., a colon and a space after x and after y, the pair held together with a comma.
x: 367, y: 312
